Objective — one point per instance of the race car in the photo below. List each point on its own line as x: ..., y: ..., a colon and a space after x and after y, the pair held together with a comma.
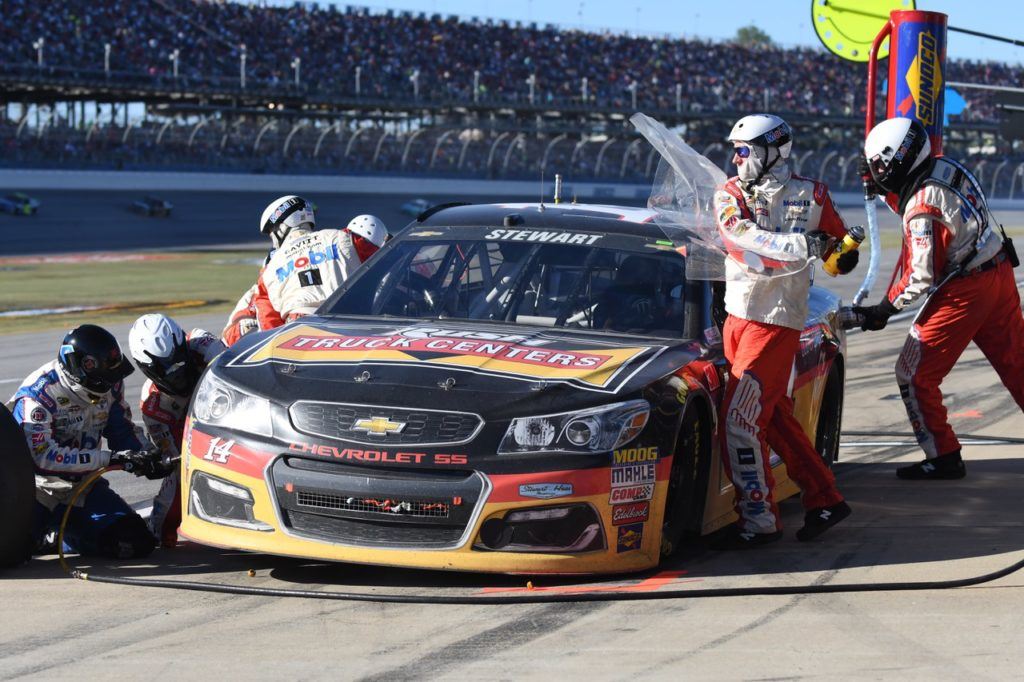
x: 19, y: 203
x: 153, y: 207
x: 505, y: 388
x: 414, y: 207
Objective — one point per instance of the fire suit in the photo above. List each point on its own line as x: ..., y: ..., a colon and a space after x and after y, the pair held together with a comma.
x: 766, y: 297
x: 302, y: 273
x: 243, y: 318
x: 163, y: 415
x: 946, y: 223
x: 63, y: 432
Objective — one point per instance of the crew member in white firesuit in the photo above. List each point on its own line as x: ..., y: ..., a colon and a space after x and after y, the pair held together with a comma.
x: 308, y: 265
x: 773, y: 224
x: 65, y: 408
x: 953, y: 257
x: 172, y: 362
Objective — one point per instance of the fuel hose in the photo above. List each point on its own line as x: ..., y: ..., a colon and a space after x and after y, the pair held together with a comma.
x: 874, y: 241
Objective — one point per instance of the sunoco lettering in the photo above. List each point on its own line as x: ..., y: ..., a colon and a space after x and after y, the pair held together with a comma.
x: 636, y: 455
x: 927, y: 60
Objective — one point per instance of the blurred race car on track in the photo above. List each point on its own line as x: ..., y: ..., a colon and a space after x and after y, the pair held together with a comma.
x: 19, y: 203
x: 501, y: 389
x: 153, y: 207
x: 414, y: 207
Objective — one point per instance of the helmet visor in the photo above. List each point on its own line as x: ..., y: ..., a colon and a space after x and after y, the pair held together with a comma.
x: 175, y: 374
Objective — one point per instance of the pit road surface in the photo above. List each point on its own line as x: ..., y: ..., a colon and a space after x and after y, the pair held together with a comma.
x: 55, y: 627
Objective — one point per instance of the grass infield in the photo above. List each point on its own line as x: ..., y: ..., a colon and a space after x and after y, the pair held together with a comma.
x: 124, y: 285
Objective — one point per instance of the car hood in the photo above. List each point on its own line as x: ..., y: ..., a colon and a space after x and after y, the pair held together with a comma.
x: 499, y: 370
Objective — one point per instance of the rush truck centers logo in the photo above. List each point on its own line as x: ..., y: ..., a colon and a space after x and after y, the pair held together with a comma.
x: 591, y: 365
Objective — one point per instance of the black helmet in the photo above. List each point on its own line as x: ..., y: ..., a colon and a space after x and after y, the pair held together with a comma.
x: 91, y: 358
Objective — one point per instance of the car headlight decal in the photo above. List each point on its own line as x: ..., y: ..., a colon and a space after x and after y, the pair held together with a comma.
x: 599, y: 429
x: 218, y: 403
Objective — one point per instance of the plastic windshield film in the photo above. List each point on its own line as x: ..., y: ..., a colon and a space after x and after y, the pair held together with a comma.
x: 683, y: 200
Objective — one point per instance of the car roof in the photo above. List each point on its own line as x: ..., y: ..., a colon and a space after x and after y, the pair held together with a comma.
x: 588, y: 217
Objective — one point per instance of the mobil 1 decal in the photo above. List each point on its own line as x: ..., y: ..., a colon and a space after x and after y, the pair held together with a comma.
x: 594, y: 365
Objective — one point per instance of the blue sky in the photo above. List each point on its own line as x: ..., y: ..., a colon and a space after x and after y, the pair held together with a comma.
x: 787, y: 21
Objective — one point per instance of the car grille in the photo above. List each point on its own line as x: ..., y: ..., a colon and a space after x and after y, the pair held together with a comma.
x: 373, y: 505
x: 420, y: 427
x: 368, y: 506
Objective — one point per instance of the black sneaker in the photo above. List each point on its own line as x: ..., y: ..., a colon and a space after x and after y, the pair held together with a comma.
x: 734, y: 537
x: 944, y: 467
x: 817, y: 521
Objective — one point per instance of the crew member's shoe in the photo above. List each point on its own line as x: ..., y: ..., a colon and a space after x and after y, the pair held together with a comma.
x: 734, y: 537
x: 817, y: 521
x: 944, y: 467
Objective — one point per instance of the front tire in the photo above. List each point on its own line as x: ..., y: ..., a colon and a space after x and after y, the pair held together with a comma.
x: 830, y: 418
x: 688, y: 480
x: 17, y: 493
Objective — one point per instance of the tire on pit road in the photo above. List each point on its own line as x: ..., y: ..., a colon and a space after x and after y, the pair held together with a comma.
x: 688, y: 479
x: 17, y: 493
x: 830, y: 418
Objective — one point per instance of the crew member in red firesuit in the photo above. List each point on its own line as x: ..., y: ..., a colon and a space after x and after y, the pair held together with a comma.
x: 774, y: 224
x: 172, y: 362
x: 953, y: 258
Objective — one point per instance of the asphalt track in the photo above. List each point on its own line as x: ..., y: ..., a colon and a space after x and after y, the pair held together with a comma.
x: 55, y: 627
x: 73, y: 221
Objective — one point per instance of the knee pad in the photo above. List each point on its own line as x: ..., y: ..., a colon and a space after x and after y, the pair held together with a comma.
x: 127, y: 538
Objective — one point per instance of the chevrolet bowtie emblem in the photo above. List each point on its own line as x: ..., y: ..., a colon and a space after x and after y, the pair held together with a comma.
x: 378, y: 426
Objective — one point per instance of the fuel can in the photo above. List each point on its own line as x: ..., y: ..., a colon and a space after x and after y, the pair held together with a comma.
x: 852, y: 240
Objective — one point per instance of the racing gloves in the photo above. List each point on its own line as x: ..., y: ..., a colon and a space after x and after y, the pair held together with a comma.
x: 875, y: 316
x: 871, y: 190
x: 847, y: 261
x: 146, y: 463
x: 818, y: 243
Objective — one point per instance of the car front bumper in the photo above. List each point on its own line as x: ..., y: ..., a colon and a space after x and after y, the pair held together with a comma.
x: 487, y: 514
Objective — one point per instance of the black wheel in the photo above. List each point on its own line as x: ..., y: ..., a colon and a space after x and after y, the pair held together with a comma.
x: 688, y: 480
x: 17, y: 492
x: 830, y: 420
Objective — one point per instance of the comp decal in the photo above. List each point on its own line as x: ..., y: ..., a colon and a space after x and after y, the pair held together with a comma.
x: 589, y: 365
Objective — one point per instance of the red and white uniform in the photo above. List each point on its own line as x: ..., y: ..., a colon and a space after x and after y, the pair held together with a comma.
x: 163, y: 416
x: 302, y: 273
x: 981, y: 305
x: 243, y: 318
x: 763, y: 235
x: 767, y: 288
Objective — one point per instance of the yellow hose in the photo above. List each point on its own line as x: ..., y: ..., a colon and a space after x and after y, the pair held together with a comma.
x: 81, y: 488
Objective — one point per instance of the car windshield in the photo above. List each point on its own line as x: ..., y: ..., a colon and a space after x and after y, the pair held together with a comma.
x: 575, y: 286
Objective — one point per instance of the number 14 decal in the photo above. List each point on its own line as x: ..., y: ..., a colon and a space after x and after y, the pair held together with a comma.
x: 219, y: 451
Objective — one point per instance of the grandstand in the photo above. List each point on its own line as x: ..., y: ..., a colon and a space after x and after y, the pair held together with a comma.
x: 321, y: 89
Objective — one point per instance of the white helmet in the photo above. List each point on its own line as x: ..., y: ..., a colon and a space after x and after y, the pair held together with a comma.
x: 159, y: 347
x: 894, y: 149
x: 283, y: 215
x: 369, y: 227
x: 765, y: 130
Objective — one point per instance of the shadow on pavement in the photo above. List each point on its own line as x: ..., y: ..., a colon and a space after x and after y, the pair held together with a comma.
x: 900, y: 528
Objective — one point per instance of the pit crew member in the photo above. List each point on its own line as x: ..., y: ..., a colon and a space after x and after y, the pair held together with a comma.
x: 773, y: 224
x: 953, y: 257
x: 308, y: 264
x: 65, y: 408
x: 172, y: 362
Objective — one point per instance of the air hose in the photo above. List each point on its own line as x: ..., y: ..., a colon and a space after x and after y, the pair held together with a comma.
x: 531, y: 597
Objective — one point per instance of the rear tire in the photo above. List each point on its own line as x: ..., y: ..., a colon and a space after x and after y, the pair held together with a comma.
x: 17, y: 493
x: 688, y: 480
x: 830, y: 420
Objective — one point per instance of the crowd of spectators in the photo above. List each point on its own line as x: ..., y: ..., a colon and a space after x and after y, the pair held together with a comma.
x: 397, y: 54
